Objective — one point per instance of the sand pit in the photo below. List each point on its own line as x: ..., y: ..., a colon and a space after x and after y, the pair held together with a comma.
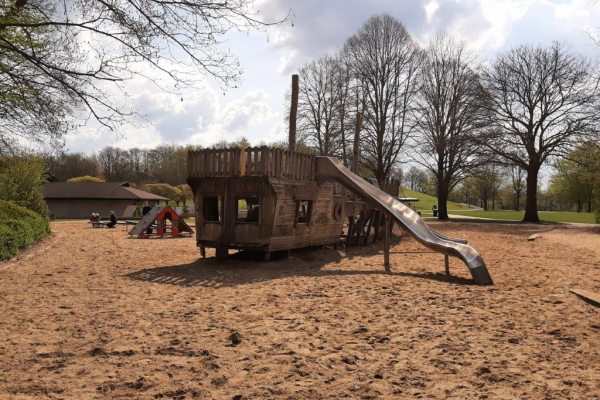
x: 93, y: 314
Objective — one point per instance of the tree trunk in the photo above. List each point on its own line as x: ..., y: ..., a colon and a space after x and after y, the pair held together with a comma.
x: 531, y: 213
x: 518, y: 197
x: 442, y: 203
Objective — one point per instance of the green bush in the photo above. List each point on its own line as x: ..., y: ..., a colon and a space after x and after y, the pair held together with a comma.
x: 21, y: 179
x: 19, y: 227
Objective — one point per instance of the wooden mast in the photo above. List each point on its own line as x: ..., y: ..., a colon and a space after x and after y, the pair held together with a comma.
x: 355, y: 153
x: 293, y: 113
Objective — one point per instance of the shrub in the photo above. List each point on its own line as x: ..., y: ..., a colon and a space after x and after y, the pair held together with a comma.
x: 21, y: 179
x: 19, y: 227
x: 164, y: 190
x: 86, y: 178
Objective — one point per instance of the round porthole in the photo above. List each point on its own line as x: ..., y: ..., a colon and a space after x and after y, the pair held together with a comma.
x: 337, y: 211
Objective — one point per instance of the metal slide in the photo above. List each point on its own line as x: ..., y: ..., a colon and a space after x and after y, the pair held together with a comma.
x: 332, y: 169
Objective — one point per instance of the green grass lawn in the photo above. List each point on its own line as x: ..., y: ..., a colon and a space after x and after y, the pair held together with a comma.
x: 426, y: 201
x: 547, y: 216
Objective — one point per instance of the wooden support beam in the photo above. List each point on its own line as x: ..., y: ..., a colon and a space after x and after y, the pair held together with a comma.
x: 447, y: 263
x: 377, y: 226
x: 374, y: 215
x: 350, y: 231
x: 221, y: 252
x: 386, y: 244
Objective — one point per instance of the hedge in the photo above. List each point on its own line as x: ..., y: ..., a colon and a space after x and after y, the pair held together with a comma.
x: 19, y: 227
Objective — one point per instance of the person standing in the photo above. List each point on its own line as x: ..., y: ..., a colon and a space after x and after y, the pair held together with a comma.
x: 146, y: 209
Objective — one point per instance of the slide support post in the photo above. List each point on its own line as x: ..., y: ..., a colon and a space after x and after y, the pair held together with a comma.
x: 386, y: 244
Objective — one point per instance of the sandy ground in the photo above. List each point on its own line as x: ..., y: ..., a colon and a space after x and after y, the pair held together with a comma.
x: 93, y: 314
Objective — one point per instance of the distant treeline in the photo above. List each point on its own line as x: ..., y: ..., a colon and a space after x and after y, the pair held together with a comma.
x: 162, y: 164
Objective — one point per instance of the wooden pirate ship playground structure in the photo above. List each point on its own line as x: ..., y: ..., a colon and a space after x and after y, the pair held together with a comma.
x: 267, y: 199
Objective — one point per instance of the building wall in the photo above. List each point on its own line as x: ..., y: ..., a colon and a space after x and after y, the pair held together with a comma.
x: 81, y: 209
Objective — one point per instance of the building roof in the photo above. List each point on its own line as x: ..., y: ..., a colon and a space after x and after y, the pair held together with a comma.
x: 96, y: 191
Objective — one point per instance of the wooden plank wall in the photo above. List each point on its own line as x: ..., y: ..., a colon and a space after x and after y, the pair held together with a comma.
x: 322, y: 228
x: 251, y: 161
x: 228, y: 231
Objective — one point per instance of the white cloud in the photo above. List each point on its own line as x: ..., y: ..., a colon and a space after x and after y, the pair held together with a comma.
x: 236, y: 118
x: 206, y: 116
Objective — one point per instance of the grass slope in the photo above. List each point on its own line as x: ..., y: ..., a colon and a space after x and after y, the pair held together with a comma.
x: 426, y: 201
x: 546, y: 216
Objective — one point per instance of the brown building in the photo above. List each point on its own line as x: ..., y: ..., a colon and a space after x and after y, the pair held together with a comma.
x: 76, y: 200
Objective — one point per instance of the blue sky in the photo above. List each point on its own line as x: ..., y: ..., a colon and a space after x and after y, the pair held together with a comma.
x: 256, y: 109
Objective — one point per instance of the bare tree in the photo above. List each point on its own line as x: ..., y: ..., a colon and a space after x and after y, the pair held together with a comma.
x: 319, y: 118
x: 543, y: 101
x: 346, y: 108
x: 114, y: 164
x: 450, y: 111
x: 415, y: 179
x: 65, y: 58
x: 518, y: 184
x: 384, y: 59
x: 486, y: 182
x: 73, y: 165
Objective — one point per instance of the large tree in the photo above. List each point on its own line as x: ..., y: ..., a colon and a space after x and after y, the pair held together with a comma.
x: 450, y: 111
x: 30, y: 108
x: 542, y: 101
x: 320, y: 120
x: 385, y: 60
x: 71, y: 57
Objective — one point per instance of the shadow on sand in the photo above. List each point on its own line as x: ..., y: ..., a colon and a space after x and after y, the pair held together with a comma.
x: 244, y: 268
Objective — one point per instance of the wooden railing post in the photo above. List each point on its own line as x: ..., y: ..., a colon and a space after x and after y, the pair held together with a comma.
x: 243, y: 161
x: 263, y: 160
